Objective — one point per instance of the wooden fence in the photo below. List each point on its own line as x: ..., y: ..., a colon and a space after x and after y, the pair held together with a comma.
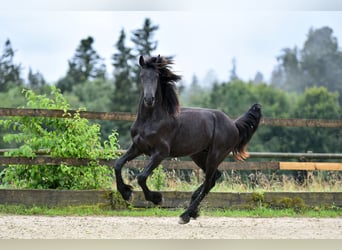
x: 178, y: 198
x: 122, y: 116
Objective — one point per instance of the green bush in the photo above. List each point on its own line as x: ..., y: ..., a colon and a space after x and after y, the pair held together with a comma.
x: 158, y: 180
x: 71, y: 136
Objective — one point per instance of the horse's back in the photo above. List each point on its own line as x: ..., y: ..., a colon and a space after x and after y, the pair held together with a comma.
x: 219, y: 117
x: 199, y: 128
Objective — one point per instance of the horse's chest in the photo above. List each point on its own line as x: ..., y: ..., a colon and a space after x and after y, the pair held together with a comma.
x: 149, y: 136
x: 145, y: 137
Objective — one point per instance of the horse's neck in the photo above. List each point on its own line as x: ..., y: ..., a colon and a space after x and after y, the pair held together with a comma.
x: 147, y: 114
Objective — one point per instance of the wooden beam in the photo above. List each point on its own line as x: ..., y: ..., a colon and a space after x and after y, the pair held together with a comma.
x: 124, y: 116
x: 332, y: 166
x: 119, y: 116
x: 175, y: 164
x: 44, y: 160
x: 291, y: 122
x: 172, y: 199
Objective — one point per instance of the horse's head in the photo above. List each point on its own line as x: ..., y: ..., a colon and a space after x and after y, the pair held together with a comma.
x: 149, y: 76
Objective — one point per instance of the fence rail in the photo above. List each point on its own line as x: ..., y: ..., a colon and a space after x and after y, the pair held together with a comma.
x: 253, y: 155
x: 176, y: 164
x: 122, y: 116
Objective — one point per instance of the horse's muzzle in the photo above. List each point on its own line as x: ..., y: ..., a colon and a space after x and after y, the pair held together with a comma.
x: 149, y: 102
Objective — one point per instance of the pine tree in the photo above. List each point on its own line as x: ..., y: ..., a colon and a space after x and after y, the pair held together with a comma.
x: 86, y: 65
x: 233, y: 75
x: 9, y: 71
x: 318, y: 63
x: 143, y: 38
x: 35, y: 80
x: 124, y: 97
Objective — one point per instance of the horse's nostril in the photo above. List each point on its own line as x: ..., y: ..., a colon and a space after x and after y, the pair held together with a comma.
x: 149, y: 100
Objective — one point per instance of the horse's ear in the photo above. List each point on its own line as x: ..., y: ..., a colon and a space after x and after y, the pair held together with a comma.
x: 158, y: 59
x: 141, y: 61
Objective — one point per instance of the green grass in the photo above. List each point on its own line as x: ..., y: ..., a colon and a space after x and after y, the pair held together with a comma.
x: 97, y: 210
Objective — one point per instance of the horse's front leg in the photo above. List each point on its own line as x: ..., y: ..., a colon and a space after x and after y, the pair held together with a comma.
x: 154, y: 162
x: 124, y: 189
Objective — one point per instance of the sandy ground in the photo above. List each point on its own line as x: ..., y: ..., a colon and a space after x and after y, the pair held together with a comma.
x: 44, y: 227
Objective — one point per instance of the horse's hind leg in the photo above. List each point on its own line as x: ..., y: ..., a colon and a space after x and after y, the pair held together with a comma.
x: 124, y: 189
x: 211, y: 174
x: 200, y: 159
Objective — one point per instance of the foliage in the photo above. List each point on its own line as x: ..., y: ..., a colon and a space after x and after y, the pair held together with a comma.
x: 318, y: 63
x: 143, y: 38
x: 71, y: 136
x: 235, y: 97
x: 157, y: 180
x: 126, y: 92
x: 9, y: 71
x: 35, y: 80
x: 85, y: 65
x: 316, y: 103
x: 195, y: 95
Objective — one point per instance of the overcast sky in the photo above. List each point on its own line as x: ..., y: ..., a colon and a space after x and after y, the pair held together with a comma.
x: 202, y: 38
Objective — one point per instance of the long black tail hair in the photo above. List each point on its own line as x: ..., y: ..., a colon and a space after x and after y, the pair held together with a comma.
x: 247, y: 124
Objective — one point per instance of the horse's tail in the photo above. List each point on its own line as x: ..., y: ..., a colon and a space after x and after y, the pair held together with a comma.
x: 247, y: 124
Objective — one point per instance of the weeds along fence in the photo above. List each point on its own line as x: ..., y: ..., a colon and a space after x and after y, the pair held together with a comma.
x: 307, y: 162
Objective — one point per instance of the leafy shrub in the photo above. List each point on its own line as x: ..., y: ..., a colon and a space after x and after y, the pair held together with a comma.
x: 71, y: 136
x: 158, y: 180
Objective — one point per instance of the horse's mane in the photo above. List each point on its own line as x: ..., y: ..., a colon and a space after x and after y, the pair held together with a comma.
x: 167, y: 80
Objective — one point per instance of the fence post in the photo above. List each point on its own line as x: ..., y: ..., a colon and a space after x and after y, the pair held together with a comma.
x: 309, y: 174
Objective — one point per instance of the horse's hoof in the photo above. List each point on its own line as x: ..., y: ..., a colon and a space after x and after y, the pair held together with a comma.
x: 157, y: 198
x: 160, y: 202
x: 184, y: 219
x: 127, y: 193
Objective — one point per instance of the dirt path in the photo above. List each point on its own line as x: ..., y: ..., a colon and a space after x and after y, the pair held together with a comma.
x: 43, y: 227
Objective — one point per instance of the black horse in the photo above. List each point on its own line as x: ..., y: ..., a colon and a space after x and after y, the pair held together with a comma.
x: 162, y: 129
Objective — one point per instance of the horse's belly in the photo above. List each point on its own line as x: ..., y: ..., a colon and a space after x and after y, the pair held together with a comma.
x: 188, y: 147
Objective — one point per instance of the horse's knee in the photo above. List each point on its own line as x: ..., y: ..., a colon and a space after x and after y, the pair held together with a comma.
x: 118, y: 165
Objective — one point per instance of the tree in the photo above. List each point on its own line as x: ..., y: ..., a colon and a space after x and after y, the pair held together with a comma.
x: 35, y: 80
x: 86, y: 65
x: 316, y: 103
x: 318, y: 63
x: 234, y: 98
x: 288, y: 74
x: 9, y: 71
x: 321, y: 60
x: 143, y: 38
x: 195, y: 95
x: 233, y: 75
x: 144, y: 44
x: 125, y: 95
x: 258, y: 78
